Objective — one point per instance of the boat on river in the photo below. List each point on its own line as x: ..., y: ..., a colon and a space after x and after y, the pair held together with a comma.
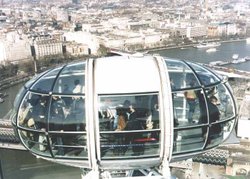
x: 235, y: 56
x: 240, y: 60
x: 208, y: 45
x: 218, y: 63
x: 211, y: 50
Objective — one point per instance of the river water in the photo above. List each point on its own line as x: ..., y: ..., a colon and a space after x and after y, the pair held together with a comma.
x: 21, y: 164
x: 223, y: 53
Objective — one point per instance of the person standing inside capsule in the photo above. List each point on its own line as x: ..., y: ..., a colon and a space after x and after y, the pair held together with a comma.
x: 190, y: 96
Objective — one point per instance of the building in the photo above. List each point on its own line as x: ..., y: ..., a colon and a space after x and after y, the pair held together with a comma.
x: 45, y: 46
x: 227, y: 28
x: 212, y: 31
x: 76, y: 49
x: 14, y: 47
x: 84, y: 38
x: 196, y: 31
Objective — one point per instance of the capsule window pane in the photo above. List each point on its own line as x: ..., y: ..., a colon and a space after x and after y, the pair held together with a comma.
x: 33, y: 111
x: 67, y: 113
x: 181, y: 76
x: 19, y: 97
x: 225, y: 102
x: 220, y: 103
x: 127, y: 145
x: 72, y: 116
x: 30, y: 82
x: 69, y: 145
x: 189, y: 140
x: 138, y: 114
x: 143, y: 110
x: 36, y: 142
x: 206, y: 77
x: 189, y: 108
x: 219, y: 132
x: 45, y: 83
x: 71, y: 80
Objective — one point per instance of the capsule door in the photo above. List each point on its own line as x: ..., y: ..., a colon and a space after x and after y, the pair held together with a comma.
x: 127, y: 112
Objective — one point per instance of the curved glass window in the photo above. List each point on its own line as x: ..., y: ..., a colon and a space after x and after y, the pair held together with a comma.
x: 123, y: 120
x: 71, y: 80
x: 45, y: 84
x: 181, y: 76
x: 189, y: 108
x: 69, y: 145
x: 206, y: 77
x: 218, y: 132
x: 35, y: 141
x: 67, y: 113
x: 52, y: 123
x: 129, y: 126
x: 33, y: 112
x: 32, y: 80
x: 19, y: 97
x: 189, y: 140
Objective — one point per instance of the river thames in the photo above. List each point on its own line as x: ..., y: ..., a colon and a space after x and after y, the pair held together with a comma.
x: 21, y: 164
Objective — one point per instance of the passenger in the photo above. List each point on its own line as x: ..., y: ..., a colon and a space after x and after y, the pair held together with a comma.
x: 124, y: 108
x: 67, y: 100
x: 214, y: 115
x: 122, y: 121
x: 24, y: 114
x: 172, y: 84
x: 57, y: 121
x: 39, y: 114
x: 132, y: 119
x: 76, y: 117
x: 120, y: 139
x: 57, y: 113
x: 134, y: 124
x: 77, y: 88
x: 214, y: 112
x: 190, y: 96
x: 154, y: 105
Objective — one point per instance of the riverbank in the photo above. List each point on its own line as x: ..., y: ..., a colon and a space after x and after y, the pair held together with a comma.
x: 150, y: 50
x: 11, y: 81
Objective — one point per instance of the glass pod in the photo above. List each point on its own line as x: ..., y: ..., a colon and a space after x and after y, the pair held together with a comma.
x: 124, y: 112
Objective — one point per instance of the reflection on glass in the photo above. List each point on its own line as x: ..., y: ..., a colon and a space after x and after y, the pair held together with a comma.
x: 30, y: 82
x: 181, y: 76
x: 127, y: 144
x: 134, y: 122
x: 189, y: 139
x: 189, y: 108
x: 37, y: 142
x: 57, y: 114
x: 220, y: 95
x: 19, y: 97
x: 70, y: 145
x: 219, y: 132
x: 33, y: 111
x: 45, y: 83
x: 205, y: 76
x: 71, y: 79
x: 74, y: 113
x: 225, y: 102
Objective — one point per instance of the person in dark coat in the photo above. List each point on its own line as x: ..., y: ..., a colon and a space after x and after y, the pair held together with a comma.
x: 134, y: 124
x: 214, y: 116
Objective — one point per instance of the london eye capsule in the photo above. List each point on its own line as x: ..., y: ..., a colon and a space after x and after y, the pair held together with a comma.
x: 124, y: 112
